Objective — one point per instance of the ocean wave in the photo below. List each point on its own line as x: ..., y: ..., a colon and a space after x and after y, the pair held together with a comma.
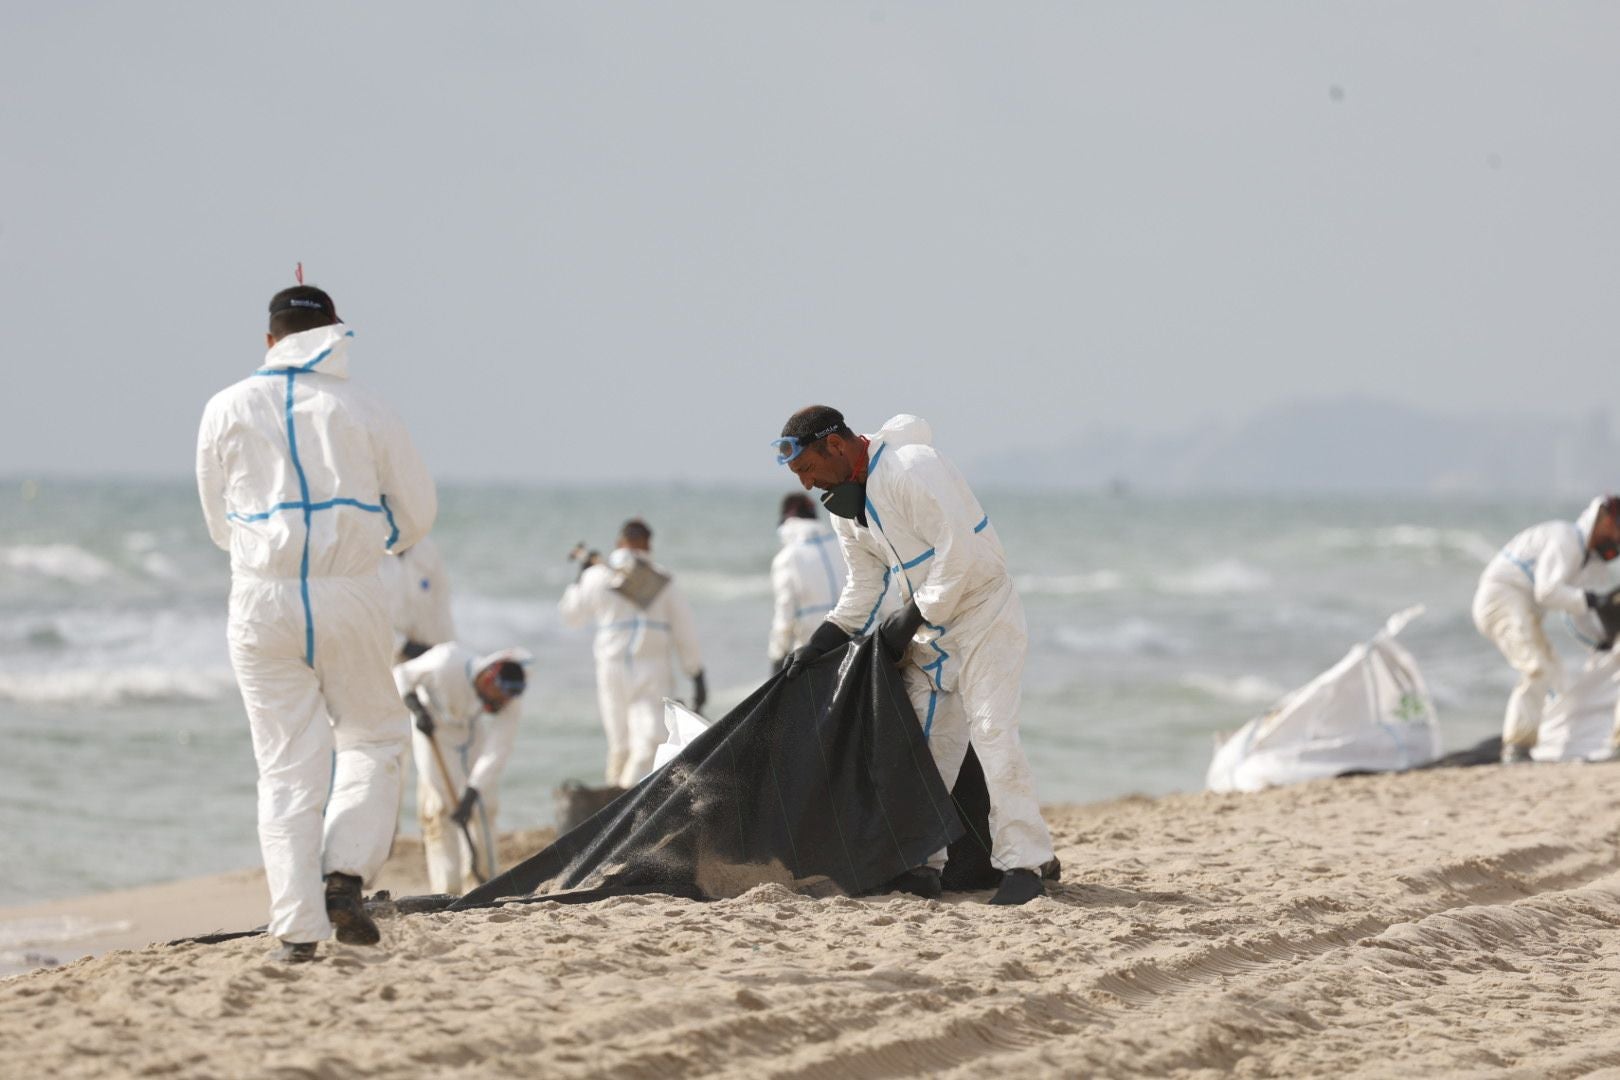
x: 63, y: 562
x: 54, y: 930
x: 1422, y: 539
x: 719, y: 586
x: 116, y: 686
x: 1133, y: 637
x: 124, y: 637
x: 494, y: 622
x: 1216, y: 579
x: 160, y: 566
x: 1097, y: 581
x: 1239, y: 690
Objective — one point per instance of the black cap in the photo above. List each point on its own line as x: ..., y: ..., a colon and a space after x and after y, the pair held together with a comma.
x: 304, y: 298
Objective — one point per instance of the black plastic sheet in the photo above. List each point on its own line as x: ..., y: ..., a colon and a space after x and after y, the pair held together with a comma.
x: 823, y: 783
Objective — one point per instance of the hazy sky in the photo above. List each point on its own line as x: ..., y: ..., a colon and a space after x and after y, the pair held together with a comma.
x: 596, y: 240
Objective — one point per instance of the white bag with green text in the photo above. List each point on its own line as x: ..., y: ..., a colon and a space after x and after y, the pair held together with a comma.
x: 1370, y: 712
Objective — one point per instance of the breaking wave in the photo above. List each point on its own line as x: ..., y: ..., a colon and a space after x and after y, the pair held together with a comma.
x: 1435, y: 543
x: 718, y: 586
x: 1239, y: 690
x: 117, y: 686
x: 1216, y: 579
x: 60, y: 562
x: 1133, y: 637
x: 1098, y: 581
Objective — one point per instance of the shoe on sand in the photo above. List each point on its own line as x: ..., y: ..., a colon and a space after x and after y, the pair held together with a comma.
x: 920, y: 881
x: 295, y: 952
x: 1515, y: 755
x: 347, y: 910
x: 1018, y: 887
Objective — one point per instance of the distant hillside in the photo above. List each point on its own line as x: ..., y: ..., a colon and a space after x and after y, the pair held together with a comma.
x: 1334, y: 445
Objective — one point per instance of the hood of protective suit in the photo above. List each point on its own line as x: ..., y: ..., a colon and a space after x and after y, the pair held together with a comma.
x: 1588, y: 519
x: 517, y: 656
x: 905, y: 430
x: 324, y: 349
x: 797, y: 530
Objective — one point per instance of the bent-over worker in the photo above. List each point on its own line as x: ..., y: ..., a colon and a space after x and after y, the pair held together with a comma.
x: 1553, y: 566
x: 466, y: 710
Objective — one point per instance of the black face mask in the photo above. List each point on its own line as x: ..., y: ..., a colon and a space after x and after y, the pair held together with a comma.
x: 847, y: 500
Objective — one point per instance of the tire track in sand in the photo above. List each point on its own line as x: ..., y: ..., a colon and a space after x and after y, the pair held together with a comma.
x: 971, y: 1029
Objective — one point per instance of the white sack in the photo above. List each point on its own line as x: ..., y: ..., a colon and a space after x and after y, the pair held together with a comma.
x: 1370, y: 711
x: 683, y: 725
x: 1579, y: 723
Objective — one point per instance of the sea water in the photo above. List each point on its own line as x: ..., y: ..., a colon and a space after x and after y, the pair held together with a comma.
x: 1155, y: 623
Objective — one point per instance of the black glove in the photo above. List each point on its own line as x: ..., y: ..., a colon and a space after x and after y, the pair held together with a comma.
x: 464, y: 808
x: 827, y: 637
x: 700, y: 692
x: 1606, y: 606
x: 424, y: 719
x: 896, y: 631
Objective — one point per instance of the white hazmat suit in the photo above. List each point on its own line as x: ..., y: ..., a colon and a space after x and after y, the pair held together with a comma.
x: 306, y: 480
x: 807, y: 576
x: 1544, y: 568
x: 633, y: 673
x: 927, y: 537
x: 474, y: 745
x: 419, y: 594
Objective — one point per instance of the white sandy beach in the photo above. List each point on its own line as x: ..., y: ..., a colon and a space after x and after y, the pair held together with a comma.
x: 1454, y: 922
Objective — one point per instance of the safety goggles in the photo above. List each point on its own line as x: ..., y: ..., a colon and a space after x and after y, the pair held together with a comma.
x: 789, y: 447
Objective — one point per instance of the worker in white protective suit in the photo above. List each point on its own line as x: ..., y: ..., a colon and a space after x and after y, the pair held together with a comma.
x: 906, y: 520
x: 419, y: 591
x: 1549, y: 567
x: 466, y: 711
x: 307, y: 480
x: 807, y: 576
x: 642, y: 620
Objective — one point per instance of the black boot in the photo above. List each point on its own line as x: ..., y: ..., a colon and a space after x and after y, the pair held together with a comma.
x: 920, y: 881
x: 347, y: 910
x: 1019, y: 887
x: 295, y: 952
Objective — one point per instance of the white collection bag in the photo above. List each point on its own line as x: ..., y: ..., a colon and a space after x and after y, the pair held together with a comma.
x: 683, y: 725
x: 1370, y: 711
x: 1578, y: 723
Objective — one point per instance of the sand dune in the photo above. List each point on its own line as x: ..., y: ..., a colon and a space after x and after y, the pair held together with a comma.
x: 1459, y: 922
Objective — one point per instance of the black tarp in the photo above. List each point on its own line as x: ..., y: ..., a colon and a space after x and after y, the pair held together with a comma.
x: 1486, y: 752
x: 821, y: 783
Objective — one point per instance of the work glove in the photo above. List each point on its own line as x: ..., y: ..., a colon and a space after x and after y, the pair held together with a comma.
x: 464, y: 808
x: 424, y: 719
x: 827, y: 637
x: 896, y: 631
x: 700, y: 692
x: 1606, y: 606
